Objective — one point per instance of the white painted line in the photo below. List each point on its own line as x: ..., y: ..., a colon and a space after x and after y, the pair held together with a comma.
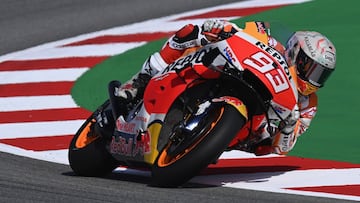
x: 56, y: 156
x: 235, y: 154
x: 48, y: 75
x: 296, y: 178
x: 79, y: 51
x: 39, y: 129
x: 278, y: 181
x: 145, y: 26
x: 36, y: 103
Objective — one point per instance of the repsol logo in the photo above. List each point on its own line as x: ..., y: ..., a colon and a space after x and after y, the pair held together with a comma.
x: 275, y: 54
x: 191, y: 59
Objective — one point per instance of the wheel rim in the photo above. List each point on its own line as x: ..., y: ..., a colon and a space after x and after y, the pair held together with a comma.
x: 84, y: 139
x: 166, y: 160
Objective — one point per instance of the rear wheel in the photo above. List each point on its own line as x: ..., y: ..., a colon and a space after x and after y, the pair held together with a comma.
x: 180, y: 161
x: 87, y: 151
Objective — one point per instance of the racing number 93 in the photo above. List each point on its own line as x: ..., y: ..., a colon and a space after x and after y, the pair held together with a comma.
x: 261, y: 62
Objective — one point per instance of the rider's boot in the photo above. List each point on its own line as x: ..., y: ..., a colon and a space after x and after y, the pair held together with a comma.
x: 125, y: 95
x: 134, y: 88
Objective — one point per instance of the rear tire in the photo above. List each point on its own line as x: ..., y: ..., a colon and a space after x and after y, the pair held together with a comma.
x: 87, y: 151
x: 174, y: 171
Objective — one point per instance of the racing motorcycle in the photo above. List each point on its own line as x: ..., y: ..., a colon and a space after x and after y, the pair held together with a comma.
x: 207, y: 102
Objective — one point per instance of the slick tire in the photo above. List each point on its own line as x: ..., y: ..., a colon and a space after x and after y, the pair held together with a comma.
x: 87, y: 152
x: 175, y: 171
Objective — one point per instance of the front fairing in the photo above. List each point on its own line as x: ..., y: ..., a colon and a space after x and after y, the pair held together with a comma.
x: 267, y: 64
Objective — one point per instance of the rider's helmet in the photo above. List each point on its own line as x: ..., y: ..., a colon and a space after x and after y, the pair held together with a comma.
x: 314, y: 57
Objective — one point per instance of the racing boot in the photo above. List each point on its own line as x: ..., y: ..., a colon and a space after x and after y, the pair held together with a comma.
x: 124, y: 97
x: 134, y: 88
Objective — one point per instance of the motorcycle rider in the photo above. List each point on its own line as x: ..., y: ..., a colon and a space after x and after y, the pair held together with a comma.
x: 314, y: 58
x: 311, y: 55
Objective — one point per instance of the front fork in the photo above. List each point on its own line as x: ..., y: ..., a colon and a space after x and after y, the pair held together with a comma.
x: 242, y: 109
x: 192, y: 125
x: 235, y: 102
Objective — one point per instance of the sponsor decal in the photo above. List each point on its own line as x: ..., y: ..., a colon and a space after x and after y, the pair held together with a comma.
x: 232, y: 100
x: 191, y: 59
x: 141, y: 118
x: 310, y: 47
x: 238, y: 104
x: 184, y: 45
x: 329, y: 56
x: 279, y: 58
x: 229, y: 54
x: 126, y: 127
x: 279, y: 109
x: 287, y: 142
x: 131, y: 147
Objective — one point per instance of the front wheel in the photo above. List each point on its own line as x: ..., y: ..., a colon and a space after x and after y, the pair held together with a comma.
x: 177, y: 164
x: 87, y: 151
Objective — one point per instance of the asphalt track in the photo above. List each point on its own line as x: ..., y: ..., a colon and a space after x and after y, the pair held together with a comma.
x: 26, y: 23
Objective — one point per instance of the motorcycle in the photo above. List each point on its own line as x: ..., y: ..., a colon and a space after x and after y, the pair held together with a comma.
x: 209, y: 101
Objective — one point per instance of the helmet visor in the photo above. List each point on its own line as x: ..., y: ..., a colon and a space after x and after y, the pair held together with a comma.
x: 311, y: 71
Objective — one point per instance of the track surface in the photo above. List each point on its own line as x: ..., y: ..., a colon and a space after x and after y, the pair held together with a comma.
x: 26, y: 23
x: 27, y: 180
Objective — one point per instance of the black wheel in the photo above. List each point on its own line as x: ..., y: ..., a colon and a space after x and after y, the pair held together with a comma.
x: 87, y: 151
x: 177, y: 164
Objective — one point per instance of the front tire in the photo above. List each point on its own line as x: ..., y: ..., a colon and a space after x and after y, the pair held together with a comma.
x: 87, y: 151
x: 172, y: 171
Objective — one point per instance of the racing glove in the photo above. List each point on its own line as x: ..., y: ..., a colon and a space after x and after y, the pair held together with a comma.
x: 216, y: 30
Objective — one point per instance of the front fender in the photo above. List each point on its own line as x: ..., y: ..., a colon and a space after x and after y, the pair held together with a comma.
x: 235, y: 102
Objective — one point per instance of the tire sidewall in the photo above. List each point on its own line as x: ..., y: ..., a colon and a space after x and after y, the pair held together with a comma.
x: 206, y: 152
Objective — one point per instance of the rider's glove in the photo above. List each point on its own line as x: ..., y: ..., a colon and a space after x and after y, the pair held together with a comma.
x: 289, y: 123
x: 213, y: 27
x: 216, y: 30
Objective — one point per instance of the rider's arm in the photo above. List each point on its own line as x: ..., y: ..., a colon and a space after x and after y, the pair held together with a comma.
x: 285, y: 140
x: 187, y: 37
x: 192, y: 36
x: 308, y: 109
x: 184, y: 40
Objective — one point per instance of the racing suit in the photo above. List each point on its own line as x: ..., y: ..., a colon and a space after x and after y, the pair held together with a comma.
x: 284, y: 141
x: 194, y: 36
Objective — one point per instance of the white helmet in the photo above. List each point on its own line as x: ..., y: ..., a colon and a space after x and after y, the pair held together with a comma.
x: 314, y: 57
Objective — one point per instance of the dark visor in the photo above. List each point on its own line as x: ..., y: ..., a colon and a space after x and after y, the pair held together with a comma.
x: 311, y: 71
